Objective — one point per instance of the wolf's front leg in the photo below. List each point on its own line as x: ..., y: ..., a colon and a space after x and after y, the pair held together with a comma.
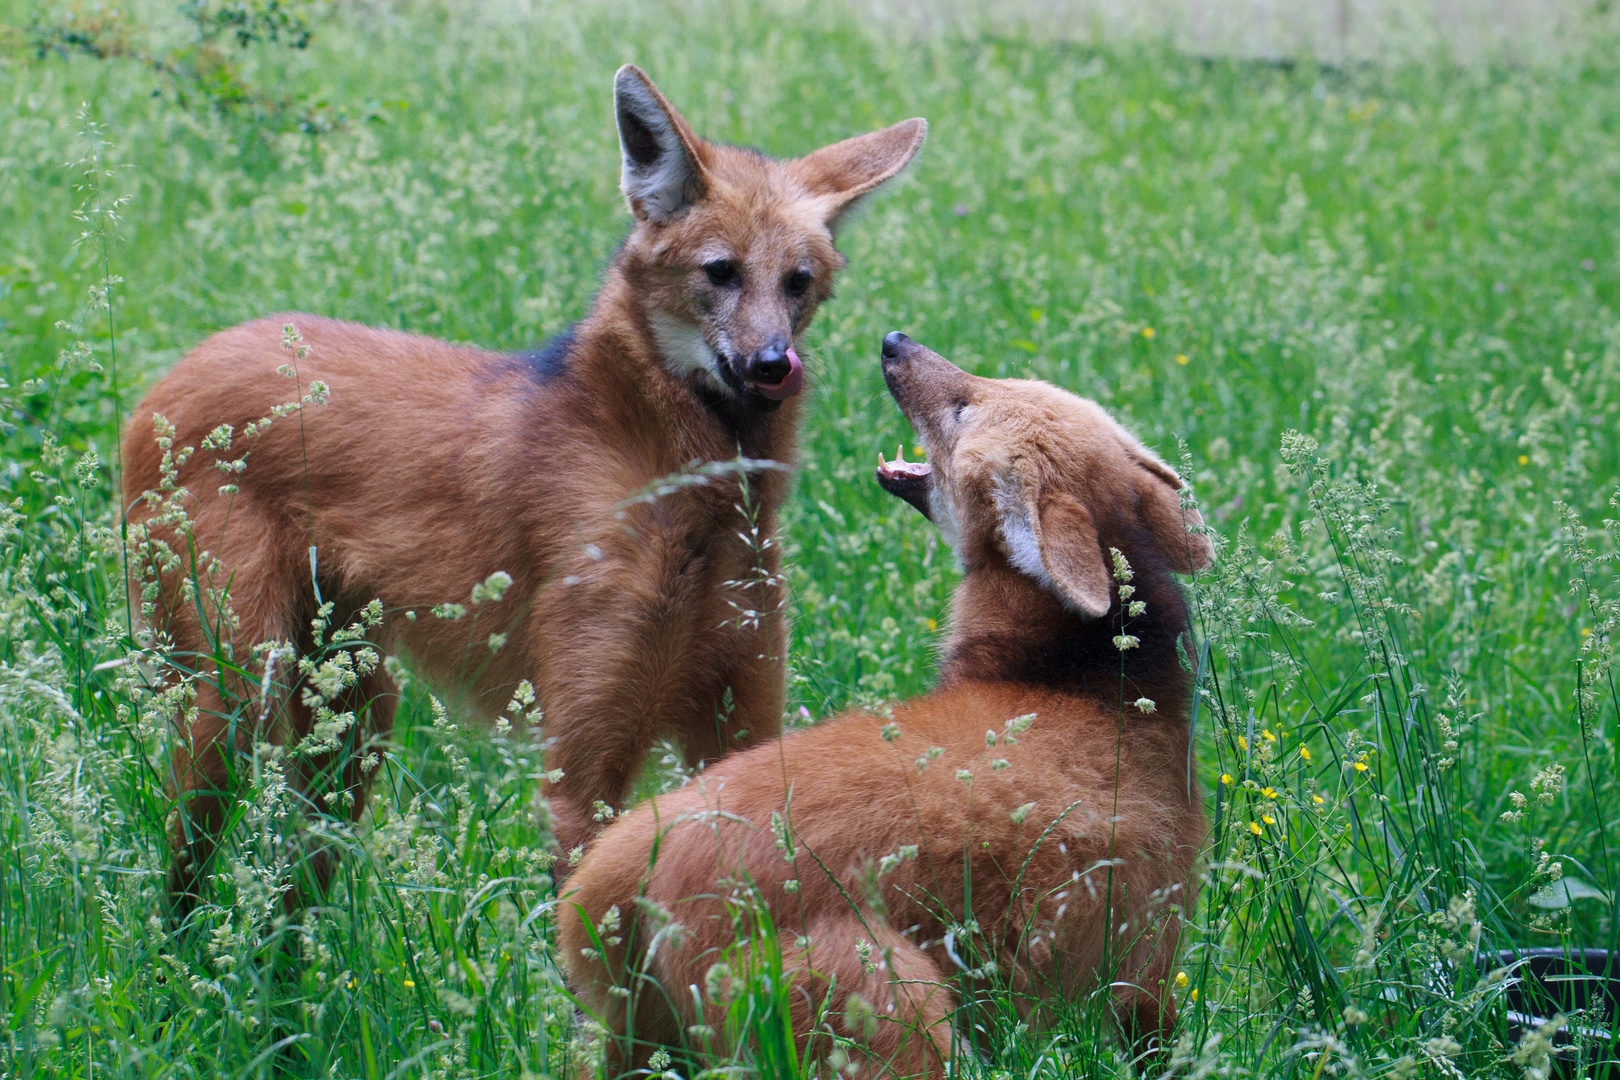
x: 757, y: 682
x: 611, y: 691
x: 618, y: 665
x: 600, y: 722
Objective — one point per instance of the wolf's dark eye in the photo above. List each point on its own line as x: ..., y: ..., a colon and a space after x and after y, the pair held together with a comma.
x: 797, y: 282
x: 961, y: 407
x: 721, y: 272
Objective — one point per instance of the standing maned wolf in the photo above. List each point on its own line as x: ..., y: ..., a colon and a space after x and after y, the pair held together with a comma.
x: 1031, y: 825
x: 421, y: 468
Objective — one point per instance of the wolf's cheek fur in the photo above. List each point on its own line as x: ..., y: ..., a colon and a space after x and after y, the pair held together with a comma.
x: 942, y: 512
x: 685, y: 351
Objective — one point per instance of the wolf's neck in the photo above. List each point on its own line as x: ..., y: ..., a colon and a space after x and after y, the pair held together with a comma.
x: 1007, y: 628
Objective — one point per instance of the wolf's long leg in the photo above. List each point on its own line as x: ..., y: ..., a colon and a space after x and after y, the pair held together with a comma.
x: 618, y: 666
x: 758, y: 693
x: 214, y: 637
x: 205, y: 784
x: 637, y: 640
x: 338, y: 782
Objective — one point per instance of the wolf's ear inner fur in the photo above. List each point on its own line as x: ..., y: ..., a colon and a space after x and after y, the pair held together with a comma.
x: 838, y: 175
x: 1053, y: 539
x: 663, y: 172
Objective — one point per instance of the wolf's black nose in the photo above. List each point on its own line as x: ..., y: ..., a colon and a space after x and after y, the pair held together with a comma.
x: 770, y: 364
x: 892, y: 343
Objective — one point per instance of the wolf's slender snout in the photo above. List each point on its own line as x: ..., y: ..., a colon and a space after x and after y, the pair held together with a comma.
x: 900, y: 373
x: 770, y: 364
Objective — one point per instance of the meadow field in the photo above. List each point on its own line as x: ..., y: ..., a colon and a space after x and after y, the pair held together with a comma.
x: 1371, y: 311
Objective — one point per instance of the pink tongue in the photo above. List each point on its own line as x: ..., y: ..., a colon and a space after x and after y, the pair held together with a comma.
x: 790, y: 384
x: 897, y: 469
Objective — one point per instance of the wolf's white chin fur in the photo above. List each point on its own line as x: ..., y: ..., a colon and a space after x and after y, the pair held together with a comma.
x: 942, y: 512
x: 686, y: 352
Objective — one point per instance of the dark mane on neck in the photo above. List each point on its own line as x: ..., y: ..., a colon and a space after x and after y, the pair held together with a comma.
x: 1009, y: 628
x: 758, y: 434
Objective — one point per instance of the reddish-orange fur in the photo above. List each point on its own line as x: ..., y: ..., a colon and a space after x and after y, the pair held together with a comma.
x: 1113, y: 821
x: 432, y: 466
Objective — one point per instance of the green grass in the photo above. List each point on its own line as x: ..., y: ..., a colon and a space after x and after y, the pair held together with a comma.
x: 1411, y: 267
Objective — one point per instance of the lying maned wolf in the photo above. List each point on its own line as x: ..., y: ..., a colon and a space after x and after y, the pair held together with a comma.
x: 430, y: 466
x: 1034, y: 819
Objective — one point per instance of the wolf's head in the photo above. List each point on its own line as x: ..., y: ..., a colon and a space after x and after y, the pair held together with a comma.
x: 1022, y: 473
x: 732, y: 251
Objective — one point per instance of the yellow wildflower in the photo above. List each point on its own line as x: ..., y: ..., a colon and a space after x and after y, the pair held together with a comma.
x: 1226, y: 778
x: 1147, y: 332
x: 1254, y: 827
x: 1305, y: 753
x: 1181, y: 979
x: 1181, y: 358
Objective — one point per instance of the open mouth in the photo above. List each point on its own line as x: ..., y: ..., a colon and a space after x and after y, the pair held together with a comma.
x: 907, y: 479
x: 790, y: 384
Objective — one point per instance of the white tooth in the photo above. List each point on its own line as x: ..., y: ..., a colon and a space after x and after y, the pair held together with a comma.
x: 900, y: 454
x: 881, y: 462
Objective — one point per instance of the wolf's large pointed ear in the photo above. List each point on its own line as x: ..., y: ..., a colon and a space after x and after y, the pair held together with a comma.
x: 838, y: 175
x: 663, y: 160
x: 1053, y: 539
x: 1159, y: 503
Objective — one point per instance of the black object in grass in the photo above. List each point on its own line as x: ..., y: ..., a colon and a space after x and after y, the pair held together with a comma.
x: 1549, y: 982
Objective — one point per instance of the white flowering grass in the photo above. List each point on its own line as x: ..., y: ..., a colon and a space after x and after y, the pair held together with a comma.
x: 1378, y: 306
